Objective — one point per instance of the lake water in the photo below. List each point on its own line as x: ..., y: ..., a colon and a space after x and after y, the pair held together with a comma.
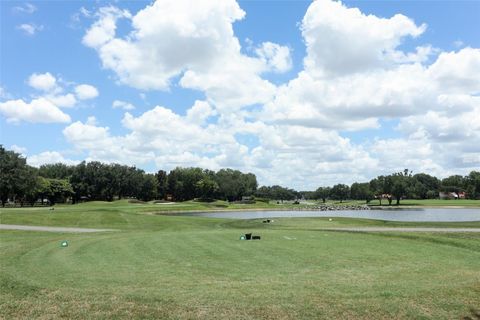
x: 417, y: 215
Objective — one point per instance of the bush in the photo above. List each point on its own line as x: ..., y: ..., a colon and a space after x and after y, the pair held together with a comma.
x: 431, y: 194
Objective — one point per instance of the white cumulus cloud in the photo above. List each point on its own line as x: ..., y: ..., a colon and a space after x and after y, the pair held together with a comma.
x: 42, y: 81
x: 458, y: 71
x: 342, y: 40
x: 67, y: 100
x: 199, y: 112
x: 356, y: 76
x: 86, y: 91
x: 275, y: 56
x: 45, y: 106
x: 118, y: 104
x: 38, y: 110
x: 49, y: 157
x: 193, y: 40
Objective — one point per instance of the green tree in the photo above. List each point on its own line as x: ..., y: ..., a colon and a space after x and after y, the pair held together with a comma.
x: 361, y: 191
x: 282, y: 193
x: 432, y: 194
x: 131, y: 185
x: 400, y: 184
x: 43, y: 188
x: 233, y: 184
x: 161, y: 177
x: 264, y: 192
x: 308, y: 195
x: 56, y: 171
x: 14, y: 176
x: 423, y: 183
x: 58, y: 190
x: 206, y: 188
x: 453, y: 183
x: 182, y: 182
x: 80, y: 183
x: 472, y: 185
x: 228, y: 181
x: 249, y: 182
x: 148, y: 190
x: 33, y: 186
x: 378, y: 186
x: 340, y: 192
x: 322, y: 193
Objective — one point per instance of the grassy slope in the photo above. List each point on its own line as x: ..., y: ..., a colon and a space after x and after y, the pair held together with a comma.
x: 151, y: 207
x: 187, y: 267
x: 123, y: 215
x: 219, y: 205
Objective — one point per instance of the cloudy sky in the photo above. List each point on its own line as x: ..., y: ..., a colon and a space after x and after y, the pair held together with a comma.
x: 303, y: 94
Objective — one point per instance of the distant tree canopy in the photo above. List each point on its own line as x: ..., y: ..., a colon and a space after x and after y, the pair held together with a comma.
x: 15, y: 175
x: 361, y: 191
x: 276, y: 192
x: 233, y: 184
x: 190, y: 183
x: 207, y: 188
x: 55, y: 171
x: 340, y: 192
x: 322, y: 193
x: 95, y: 180
x: 404, y: 185
x: 100, y: 181
x: 161, y: 177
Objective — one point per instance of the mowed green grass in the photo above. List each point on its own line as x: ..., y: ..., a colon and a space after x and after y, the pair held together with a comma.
x: 432, y: 203
x: 160, y: 267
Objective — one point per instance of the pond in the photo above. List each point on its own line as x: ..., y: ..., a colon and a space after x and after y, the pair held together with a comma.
x: 410, y: 215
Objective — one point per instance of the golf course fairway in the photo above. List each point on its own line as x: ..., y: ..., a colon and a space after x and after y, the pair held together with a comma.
x: 170, y: 267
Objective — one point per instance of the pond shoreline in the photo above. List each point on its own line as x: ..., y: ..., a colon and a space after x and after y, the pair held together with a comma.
x: 373, y: 208
x: 410, y: 215
x: 166, y: 212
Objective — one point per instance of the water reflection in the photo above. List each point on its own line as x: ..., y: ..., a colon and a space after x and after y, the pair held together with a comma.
x: 412, y: 215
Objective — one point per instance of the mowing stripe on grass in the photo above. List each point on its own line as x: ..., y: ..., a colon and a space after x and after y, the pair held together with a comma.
x: 50, y: 229
x: 383, y: 229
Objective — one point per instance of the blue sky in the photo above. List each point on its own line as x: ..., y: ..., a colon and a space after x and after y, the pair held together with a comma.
x: 300, y: 93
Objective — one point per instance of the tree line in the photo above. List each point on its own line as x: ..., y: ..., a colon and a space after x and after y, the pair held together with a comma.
x: 95, y: 180
x: 53, y: 183
x: 401, y: 185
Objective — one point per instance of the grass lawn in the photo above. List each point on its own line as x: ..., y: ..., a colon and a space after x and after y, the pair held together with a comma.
x: 187, y: 267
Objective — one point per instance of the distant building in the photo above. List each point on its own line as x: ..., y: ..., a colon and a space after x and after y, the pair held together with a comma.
x: 451, y: 195
x: 384, y: 196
